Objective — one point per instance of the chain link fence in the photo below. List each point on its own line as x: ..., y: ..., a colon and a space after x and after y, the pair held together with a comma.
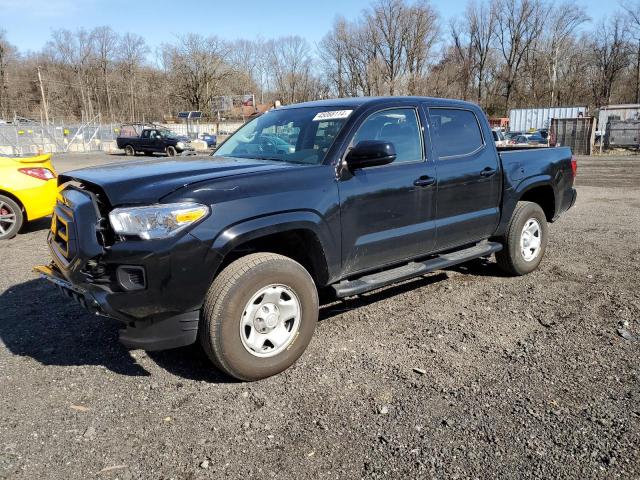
x: 26, y: 137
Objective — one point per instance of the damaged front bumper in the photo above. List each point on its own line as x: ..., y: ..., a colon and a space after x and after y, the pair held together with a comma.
x: 171, y: 332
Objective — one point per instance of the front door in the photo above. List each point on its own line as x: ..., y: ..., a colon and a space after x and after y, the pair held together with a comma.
x: 388, y: 212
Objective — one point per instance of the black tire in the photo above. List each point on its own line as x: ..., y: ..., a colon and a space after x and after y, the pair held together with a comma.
x: 129, y: 151
x: 222, y: 314
x: 171, y: 151
x: 11, y: 218
x: 511, y: 258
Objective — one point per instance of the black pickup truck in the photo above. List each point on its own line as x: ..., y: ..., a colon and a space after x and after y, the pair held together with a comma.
x: 233, y: 249
x: 150, y: 140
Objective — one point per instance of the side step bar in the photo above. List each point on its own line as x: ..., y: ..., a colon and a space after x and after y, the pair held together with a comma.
x: 347, y: 288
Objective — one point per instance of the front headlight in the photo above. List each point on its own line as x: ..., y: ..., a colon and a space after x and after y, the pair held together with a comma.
x: 156, y: 221
x: 180, y: 145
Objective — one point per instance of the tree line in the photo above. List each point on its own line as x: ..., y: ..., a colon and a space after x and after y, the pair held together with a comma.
x: 501, y: 54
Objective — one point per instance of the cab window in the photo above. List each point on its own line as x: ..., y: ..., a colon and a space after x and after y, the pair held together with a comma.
x: 455, y: 132
x: 398, y: 126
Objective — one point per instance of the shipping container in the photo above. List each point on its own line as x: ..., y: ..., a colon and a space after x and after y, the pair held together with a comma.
x: 525, y: 119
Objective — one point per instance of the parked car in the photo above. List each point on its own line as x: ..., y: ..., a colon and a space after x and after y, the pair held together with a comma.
x: 510, y: 135
x: 28, y: 190
x: 543, y: 132
x: 234, y: 249
x: 519, y: 140
x: 536, y: 139
x: 499, y: 138
x: 152, y: 140
x: 209, y: 138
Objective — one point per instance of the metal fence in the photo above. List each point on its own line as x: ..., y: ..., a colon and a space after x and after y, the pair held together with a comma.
x: 26, y: 137
x: 577, y: 133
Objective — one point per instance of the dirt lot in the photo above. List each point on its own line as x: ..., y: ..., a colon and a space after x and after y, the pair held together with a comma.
x: 517, y: 377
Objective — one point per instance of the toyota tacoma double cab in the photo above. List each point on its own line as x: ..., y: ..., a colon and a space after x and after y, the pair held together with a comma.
x: 232, y: 250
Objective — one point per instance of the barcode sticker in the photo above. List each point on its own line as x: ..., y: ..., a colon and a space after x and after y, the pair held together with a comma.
x: 333, y: 115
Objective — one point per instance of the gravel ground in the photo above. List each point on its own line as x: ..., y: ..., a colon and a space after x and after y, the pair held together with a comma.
x: 462, y: 374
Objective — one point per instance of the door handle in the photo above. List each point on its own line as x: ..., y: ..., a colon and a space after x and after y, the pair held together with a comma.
x: 424, y: 181
x: 488, y: 172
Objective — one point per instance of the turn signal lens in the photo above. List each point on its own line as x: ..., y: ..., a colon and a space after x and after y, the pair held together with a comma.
x: 39, y: 173
x: 190, y: 216
x: 574, y: 166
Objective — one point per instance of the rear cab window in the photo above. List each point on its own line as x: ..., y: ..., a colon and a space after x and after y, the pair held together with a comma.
x: 455, y: 132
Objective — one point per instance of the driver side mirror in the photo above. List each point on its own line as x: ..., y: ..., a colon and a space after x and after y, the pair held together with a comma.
x: 370, y: 153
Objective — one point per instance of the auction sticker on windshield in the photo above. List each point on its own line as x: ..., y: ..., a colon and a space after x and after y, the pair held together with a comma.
x: 333, y: 115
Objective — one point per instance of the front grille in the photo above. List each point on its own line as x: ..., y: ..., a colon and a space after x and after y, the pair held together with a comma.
x: 75, y: 223
x: 62, y: 233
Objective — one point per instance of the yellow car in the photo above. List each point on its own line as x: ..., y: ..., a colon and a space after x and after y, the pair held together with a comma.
x: 28, y: 190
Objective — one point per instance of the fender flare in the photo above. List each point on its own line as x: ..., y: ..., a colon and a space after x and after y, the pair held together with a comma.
x: 514, y: 196
x: 252, y: 229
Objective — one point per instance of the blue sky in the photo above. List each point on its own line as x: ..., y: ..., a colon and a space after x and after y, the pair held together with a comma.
x: 28, y: 23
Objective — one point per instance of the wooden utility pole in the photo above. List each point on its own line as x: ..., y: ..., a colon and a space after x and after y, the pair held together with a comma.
x: 44, y: 99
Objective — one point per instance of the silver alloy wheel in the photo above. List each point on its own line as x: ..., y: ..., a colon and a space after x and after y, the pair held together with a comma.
x: 270, y: 321
x: 530, y: 240
x: 7, y: 218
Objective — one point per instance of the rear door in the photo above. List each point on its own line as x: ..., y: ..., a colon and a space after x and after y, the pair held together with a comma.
x: 387, y: 212
x: 469, y: 177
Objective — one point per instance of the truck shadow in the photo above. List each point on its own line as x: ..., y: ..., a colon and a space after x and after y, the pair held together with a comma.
x: 480, y: 267
x: 36, y: 321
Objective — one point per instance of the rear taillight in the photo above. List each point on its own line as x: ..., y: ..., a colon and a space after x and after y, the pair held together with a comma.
x: 40, y: 173
x: 574, y: 166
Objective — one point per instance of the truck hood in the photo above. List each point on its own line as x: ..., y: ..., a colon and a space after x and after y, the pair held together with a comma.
x: 147, y: 181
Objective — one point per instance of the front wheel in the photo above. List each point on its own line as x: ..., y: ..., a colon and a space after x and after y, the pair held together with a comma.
x: 11, y: 218
x: 525, y: 240
x: 259, y: 316
x: 171, y: 151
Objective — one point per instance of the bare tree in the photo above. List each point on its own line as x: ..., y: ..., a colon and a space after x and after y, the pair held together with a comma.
x: 566, y: 18
x: 198, y: 65
x: 518, y: 25
x: 633, y: 13
x: 132, y: 51
x: 289, y: 64
x: 105, y: 43
x: 385, y: 31
x: 610, y: 56
x: 481, y: 26
x: 419, y: 33
x: 7, y: 52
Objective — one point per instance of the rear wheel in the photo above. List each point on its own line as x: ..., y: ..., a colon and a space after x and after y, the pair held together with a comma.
x: 525, y: 241
x: 171, y: 151
x: 11, y: 218
x: 129, y: 151
x: 259, y: 316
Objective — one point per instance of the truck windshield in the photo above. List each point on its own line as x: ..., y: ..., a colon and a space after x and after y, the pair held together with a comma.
x: 168, y: 134
x: 296, y: 135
